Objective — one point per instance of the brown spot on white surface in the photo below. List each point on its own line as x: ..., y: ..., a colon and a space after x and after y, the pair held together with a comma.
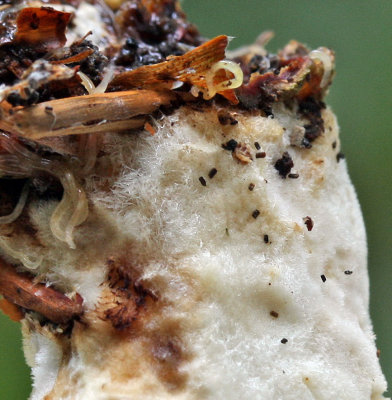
x: 159, y: 316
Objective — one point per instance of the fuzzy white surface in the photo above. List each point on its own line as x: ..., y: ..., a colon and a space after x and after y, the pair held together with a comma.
x: 44, y: 356
x: 205, y: 254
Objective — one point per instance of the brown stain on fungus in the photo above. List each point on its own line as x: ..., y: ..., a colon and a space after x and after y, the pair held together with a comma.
x: 135, y: 312
x: 129, y: 297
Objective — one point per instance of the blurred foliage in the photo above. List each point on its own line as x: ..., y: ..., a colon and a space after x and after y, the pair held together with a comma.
x: 360, y: 33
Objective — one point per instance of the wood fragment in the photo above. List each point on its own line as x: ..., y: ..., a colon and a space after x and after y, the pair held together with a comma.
x: 42, y: 27
x: 77, y: 58
x: 11, y: 310
x: 190, y: 68
x: 20, y: 289
x: 85, y: 114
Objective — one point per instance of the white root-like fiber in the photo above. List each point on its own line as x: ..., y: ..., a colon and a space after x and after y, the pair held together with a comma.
x: 71, y: 211
x: 232, y: 297
x: 7, y: 219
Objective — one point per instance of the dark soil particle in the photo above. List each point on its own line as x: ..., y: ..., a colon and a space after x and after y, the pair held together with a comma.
x: 153, y: 34
x: 257, y: 146
x: 274, y: 314
x: 94, y: 64
x: 284, y: 341
x: 230, y: 145
x: 309, y: 223
x: 284, y: 164
x: 348, y: 272
x: 266, y: 239
x: 334, y: 144
x: 203, y: 181
x: 311, y: 109
x: 323, y: 278
x: 251, y: 186
x: 261, y: 154
x: 293, y: 176
x: 226, y: 118
x: 212, y: 173
x: 255, y: 214
x: 340, y: 156
x: 15, y: 98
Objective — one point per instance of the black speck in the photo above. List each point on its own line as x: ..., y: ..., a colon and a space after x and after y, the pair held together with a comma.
x: 48, y: 108
x: 230, y: 145
x: 340, y: 156
x: 227, y: 231
x: 323, y: 278
x: 274, y: 314
x: 34, y: 24
x: 255, y: 214
x: 284, y: 164
x: 305, y: 143
x: 266, y: 239
x: 261, y: 154
x: 347, y: 272
x: 257, y: 145
x: 334, y: 144
x: 309, y: 223
x: 212, y: 173
x: 284, y: 341
x: 293, y: 176
x: 203, y: 181
x: 251, y: 186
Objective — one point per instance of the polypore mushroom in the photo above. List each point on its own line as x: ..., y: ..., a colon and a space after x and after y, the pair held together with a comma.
x: 177, y: 224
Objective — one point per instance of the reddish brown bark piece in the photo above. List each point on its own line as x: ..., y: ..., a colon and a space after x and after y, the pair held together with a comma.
x: 270, y: 87
x: 19, y: 289
x: 190, y: 68
x: 43, y: 27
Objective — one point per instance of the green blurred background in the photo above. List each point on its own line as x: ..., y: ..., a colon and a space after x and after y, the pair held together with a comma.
x: 361, y: 34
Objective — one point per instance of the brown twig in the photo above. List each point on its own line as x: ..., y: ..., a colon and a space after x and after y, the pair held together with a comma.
x: 19, y: 289
x: 85, y: 114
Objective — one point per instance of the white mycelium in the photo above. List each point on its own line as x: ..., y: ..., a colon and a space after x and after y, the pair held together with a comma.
x: 254, y: 317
